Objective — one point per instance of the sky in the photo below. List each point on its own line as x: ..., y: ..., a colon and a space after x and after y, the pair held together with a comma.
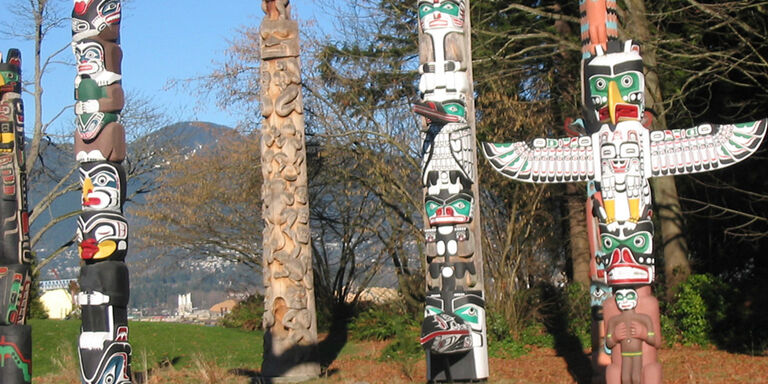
x: 161, y: 40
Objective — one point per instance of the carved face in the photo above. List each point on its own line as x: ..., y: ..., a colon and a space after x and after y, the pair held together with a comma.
x: 103, y: 187
x: 449, y: 198
x: 10, y: 72
x: 435, y: 14
x: 90, y: 17
x: 620, y: 154
x: 9, y: 78
x: 101, y: 235
x: 90, y: 57
x: 628, y: 253
x: 616, y: 85
x: 626, y: 299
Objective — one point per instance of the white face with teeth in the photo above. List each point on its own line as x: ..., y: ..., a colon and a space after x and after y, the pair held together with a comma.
x: 626, y: 299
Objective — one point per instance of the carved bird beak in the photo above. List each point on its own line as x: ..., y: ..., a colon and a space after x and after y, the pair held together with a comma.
x: 614, y: 98
x: 87, y: 189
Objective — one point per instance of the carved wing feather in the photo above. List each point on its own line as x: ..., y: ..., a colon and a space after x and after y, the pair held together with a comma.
x: 704, y: 148
x: 544, y: 160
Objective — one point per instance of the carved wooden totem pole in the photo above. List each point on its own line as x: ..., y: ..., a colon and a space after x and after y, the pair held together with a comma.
x: 102, y: 231
x: 453, y: 332
x: 617, y: 155
x: 289, y: 318
x: 15, y: 256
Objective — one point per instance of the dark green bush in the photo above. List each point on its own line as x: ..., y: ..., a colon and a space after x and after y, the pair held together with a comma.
x: 700, y: 308
x: 247, y: 314
x: 382, y: 322
x: 579, y: 312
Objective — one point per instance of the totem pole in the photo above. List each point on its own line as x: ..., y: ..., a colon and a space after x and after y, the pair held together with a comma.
x: 289, y: 319
x: 617, y: 155
x: 15, y: 256
x: 102, y: 231
x: 453, y: 331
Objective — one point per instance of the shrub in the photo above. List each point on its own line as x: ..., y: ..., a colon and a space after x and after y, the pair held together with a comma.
x: 701, y: 305
x: 382, y: 322
x: 247, y: 314
x: 579, y: 313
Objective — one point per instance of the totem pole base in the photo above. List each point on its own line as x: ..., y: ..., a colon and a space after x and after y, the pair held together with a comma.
x: 285, y: 362
x: 454, y: 368
x: 15, y: 354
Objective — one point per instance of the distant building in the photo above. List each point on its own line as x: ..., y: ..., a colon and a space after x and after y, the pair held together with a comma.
x: 57, y: 303
x: 185, y: 304
x: 224, y: 307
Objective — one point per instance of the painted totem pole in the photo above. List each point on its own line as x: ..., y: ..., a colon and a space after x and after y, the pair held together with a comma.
x: 453, y: 331
x: 617, y: 155
x: 15, y: 256
x: 289, y: 318
x: 102, y: 231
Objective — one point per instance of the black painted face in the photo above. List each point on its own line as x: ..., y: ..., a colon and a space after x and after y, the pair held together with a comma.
x: 90, y: 17
x: 103, y: 185
x: 102, y: 235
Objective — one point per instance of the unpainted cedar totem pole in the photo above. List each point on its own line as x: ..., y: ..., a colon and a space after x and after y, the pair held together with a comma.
x: 102, y: 231
x: 616, y: 154
x: 453, y: 331
x: 290, y: 321
x: 15, y: 256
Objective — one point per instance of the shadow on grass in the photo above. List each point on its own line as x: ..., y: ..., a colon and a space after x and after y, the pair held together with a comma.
x: 324, y: 353
x: 567, y: 344
x: 141, y: 377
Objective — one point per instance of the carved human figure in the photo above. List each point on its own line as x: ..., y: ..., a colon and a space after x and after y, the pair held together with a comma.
x: 631, y: 330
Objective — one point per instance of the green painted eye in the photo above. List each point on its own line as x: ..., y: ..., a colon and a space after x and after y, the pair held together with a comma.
x: 619, y: 296
x: 600, y: 84
x: 640, y: 242
x: 425, y: 10
x: 433, y: 310
x: 469, y: 313
x: 455, y: 109
x: 432, y: 208
x: 631, y: 296
x: 461, y: 207
x: 607, y: 242
x: 627, y: 81
x: 450, y: 8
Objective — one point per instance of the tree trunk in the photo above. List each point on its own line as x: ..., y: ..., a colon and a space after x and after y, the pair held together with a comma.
x: 675, y: 247
x: 290, y: 320
x: 579, y: 244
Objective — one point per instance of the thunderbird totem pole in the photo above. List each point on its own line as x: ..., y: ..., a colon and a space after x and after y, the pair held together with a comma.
x: 453, y: 331
x: 102, y: 231
x: 616, y: 155
x: 289, y: 318
x: 15, y: 256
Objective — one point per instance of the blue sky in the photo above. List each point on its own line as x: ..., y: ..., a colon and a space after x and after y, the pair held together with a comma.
x: 161, y: 40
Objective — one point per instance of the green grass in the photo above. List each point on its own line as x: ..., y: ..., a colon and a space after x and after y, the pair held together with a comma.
x: 153, y: 344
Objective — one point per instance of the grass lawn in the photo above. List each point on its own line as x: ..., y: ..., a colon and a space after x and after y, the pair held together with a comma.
x: 54, y: 345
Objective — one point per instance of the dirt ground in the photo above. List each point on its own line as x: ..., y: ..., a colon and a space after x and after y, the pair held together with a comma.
x: 543, y: 366
x: 358, y: 364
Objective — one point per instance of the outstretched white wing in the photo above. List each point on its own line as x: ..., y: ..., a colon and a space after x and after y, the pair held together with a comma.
x: 704, y: 148
x: 544, y: 160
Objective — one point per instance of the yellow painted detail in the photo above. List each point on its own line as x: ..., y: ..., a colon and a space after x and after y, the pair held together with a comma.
x: 106, y: 249
x: 614, y: 97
